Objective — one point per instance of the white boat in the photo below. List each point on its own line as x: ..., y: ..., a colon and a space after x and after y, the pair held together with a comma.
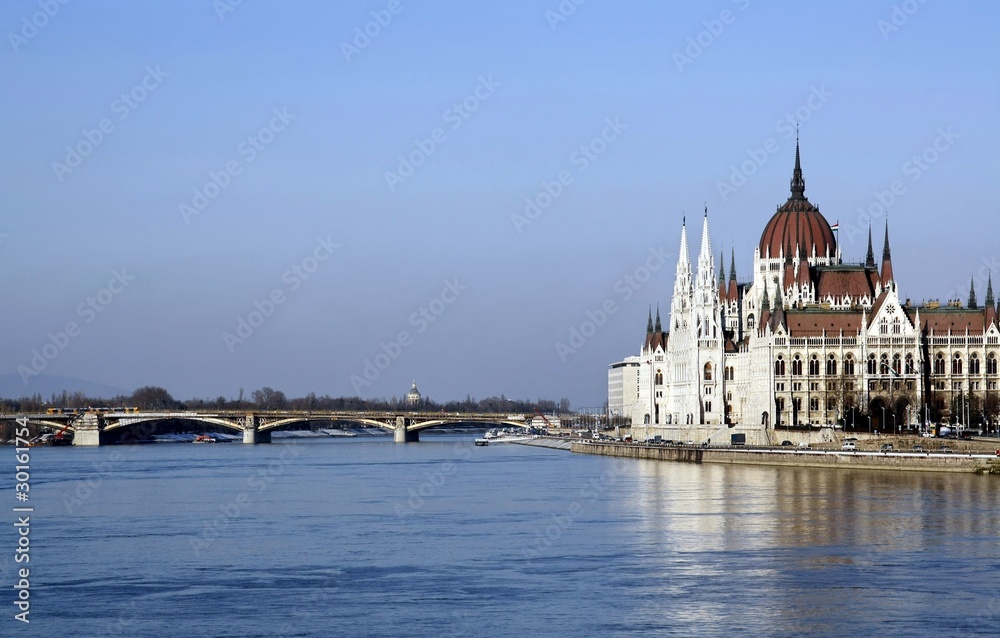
x: 482, y: 442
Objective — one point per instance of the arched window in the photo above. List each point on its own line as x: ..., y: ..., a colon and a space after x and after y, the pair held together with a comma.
x: 708, y: 406
x: 708, y: 372
x: 871, y: 364
x: 883, y: 326
x: 883, y: 364
x: 897, y: 326
x: 974, y: 363
x: 797, y: 366
x: 910, y: 367
x: 897, y: 364
x: 751, y: 322
x: 849, y: 365
x: 939, y: 364
x: 831, y: 366
x: 779, y: 366
x: 814, y: 366
x: 956, y: 364
x: 659, y: 377
x: 991, y: 363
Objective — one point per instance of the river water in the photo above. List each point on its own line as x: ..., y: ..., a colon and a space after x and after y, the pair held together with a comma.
x: 363, y: 537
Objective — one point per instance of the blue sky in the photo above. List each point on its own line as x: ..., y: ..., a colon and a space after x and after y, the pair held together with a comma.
x: 694, y: 91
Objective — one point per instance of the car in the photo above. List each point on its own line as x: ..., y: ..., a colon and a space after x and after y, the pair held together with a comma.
x: 803, y: 444
x: 887, y: 447
x: 945, y: 448
x: 849, y: 445
x: 786, y: 443
x: 918, y: 448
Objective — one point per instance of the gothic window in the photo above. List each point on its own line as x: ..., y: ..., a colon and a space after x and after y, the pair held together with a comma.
x: 897, y: 326
x: 831, y: 366
x: 883, y: 326
x: 939, y: 364
x: 797, y: 402
x: 797, y: 366
x: 708, y: 406
x: 849, y: 365
x: 708, y: 372
x: 780, y: 404
x: 750, y: 322
x: 814, y: 403
x: 814, y: 366
x: 956, y: 364
x: 871, y: 364
x: 974, y: 364
x: 991, y: 363
x: 897, y: 363
x: 883, y: 364
x: 659, y: 377
x: 910, y: 367
x: 779, y: 366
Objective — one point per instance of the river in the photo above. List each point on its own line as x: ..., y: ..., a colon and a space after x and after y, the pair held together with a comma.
x: 363, y: 537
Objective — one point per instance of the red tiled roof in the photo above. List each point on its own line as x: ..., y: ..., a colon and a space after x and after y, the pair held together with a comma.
x: 838, y: 282
x: 812, y: 323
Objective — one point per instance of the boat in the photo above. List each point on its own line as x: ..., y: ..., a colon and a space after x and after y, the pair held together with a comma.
x: 482, y: 442
x: 203, y: 438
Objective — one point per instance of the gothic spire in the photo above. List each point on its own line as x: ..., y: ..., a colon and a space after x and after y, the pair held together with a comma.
x: 886, y: 259
x: 972, y: 294
x: 766, y: 304
x: 732, y: 266
x: 658, y: 328
x: 870, y: 259
x: 798, y: 183
x: 722, y: 270
x: 649, y: 322
x: 989, y: 290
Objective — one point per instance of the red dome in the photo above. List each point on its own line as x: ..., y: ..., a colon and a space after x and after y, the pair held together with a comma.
x: 797, y: 224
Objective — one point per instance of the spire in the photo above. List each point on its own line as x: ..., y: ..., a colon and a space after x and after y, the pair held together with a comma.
x: 870, y: 258
x: 887, y: 277
x: 989, y: 290
x: 649, y: 322
x: 722, y: 270
x: 972, y: 294
x: 766, y: 304
x: 658, y: 328
x: 798, y: 183
x: 732, y: 266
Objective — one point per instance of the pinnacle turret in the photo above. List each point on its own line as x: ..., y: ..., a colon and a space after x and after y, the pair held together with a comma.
x: 870, y: 258
x: 972, y: 295
x: 798, y: 183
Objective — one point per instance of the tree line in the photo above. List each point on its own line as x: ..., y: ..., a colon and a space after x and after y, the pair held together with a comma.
x: 157, y: 398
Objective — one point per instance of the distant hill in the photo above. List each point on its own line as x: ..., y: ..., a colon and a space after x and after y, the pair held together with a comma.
x: 11, y: 387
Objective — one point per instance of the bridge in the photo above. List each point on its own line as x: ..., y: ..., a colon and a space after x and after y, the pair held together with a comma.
x: 94, y: 427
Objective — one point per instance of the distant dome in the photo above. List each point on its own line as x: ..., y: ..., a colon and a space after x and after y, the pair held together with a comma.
x: 413, y: 396
x: 797, y: 224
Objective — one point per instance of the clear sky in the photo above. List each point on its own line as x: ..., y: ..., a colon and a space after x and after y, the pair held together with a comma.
x: 180, y: 163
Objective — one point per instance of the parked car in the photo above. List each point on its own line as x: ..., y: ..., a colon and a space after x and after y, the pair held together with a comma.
x: 887, y: 447
x: 849, y: 445
x: 786, y: 443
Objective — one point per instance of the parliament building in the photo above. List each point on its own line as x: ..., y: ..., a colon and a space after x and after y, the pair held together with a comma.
x: 809, y: 339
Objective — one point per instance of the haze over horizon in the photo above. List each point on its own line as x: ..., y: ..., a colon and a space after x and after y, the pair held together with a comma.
x: 223, y: 195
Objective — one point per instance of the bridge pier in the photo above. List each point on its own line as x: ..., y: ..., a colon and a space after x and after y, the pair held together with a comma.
x: 401, y: 434
x: 251, y: 434
x: 88, y: 430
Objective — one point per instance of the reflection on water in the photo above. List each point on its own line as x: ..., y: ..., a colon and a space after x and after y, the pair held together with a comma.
x: 809, y: 548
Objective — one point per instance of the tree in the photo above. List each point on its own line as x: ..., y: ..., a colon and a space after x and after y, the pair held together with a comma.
x: 269, y: 399
x: 152, y: 398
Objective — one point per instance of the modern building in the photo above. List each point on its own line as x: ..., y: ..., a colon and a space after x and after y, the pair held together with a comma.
x: 808, y: 339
